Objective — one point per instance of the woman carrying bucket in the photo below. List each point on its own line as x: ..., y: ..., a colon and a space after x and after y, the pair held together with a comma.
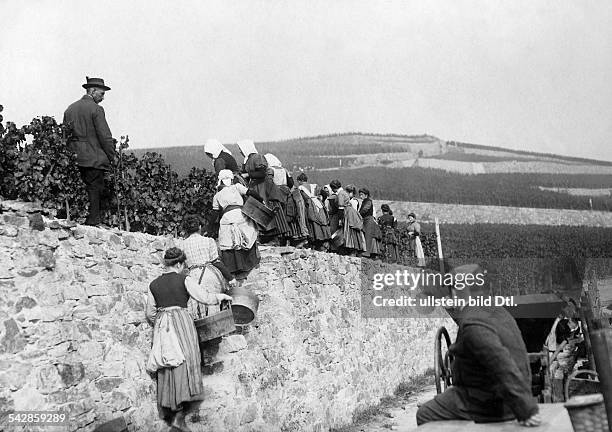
x: 203, y: 261
x: 175, y: 354
x: 237, y: 234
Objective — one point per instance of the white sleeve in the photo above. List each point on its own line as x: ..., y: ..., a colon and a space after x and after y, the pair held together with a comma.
x: 241, y: 188
x: 151, y: 307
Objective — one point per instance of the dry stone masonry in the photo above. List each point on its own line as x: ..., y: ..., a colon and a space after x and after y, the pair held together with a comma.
x: 73, y: 335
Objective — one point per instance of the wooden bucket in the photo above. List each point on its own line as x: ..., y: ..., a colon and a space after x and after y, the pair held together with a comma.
x: 259, y: 213
x: 217, y: 325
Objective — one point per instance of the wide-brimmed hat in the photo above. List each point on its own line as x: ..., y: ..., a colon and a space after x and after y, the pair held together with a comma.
x: 95, y: 82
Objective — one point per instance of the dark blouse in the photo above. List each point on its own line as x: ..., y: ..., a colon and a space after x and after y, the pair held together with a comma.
x: 225, y: 161
x: 169, y: 290
x: 387, y: 220
x: 366, y: 209
x: 256, y: 166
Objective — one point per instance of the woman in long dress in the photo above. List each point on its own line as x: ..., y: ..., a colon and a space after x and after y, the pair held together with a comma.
x: 333, y: 212
x: 414, y: 242
x: 296, y: 216
x: 282, y: 179
x: 388, y: 225
x: 316, y: 215
x: 350, y: 221
x: 237, y: 233
x: 175, y: 354
x: 371, y: 229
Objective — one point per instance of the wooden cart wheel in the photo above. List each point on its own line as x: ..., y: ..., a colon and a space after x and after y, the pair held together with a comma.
x: 442, y: 361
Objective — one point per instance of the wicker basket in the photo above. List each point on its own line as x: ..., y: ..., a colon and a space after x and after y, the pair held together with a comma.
x: 588, y: 413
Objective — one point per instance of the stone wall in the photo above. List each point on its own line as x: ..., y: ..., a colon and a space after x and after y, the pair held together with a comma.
x: 73, y: 335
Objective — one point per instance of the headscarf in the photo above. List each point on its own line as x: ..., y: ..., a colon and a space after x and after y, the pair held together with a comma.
x: 247, y: 147
x: 309, y: 190
x: 225, y: 177
x: 214, y: 147
x: 273, y: 161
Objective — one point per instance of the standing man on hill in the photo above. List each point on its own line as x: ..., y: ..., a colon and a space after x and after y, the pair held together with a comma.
x: 92, y: 142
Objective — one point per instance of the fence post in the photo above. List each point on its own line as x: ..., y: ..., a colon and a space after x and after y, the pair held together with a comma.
x: 439, y: 242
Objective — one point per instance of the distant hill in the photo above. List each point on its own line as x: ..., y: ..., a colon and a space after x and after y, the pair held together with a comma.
x: 353, y: 150
x: 427, y: 169
x: 323, y: 151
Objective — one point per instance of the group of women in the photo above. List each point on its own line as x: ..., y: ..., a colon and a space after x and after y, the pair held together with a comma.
x: 197, y: 276
x: 328, y: 218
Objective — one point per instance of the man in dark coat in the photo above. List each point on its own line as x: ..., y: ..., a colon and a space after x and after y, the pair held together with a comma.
x: 490, y: 369
x: 92, y: 142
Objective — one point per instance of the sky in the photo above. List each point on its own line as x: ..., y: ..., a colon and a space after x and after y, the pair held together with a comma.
x: 525, y: 74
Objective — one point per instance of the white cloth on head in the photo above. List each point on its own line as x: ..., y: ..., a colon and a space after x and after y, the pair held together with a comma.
x: 214, y: 147
x: 309, y: 190
x: 280, y: 173
x: 247, y: 147
x: 225, y: 177
x: 272, y: 160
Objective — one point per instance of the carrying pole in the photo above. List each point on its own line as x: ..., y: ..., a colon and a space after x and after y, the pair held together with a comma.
x: 439, y: 242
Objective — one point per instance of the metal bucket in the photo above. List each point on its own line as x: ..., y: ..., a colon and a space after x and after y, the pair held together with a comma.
x: 217, y: 325
x: 244, y: 305
x: 259, y: 213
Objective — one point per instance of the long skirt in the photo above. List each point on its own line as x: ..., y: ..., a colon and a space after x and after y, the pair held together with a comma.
x: 240, y: 260
x: 184, y: 382
x: 389, y: 244
x: 281, y: 228
x: 354, y: 239
x: 391, y: 252
x: 373, y: 236
x: 318, y: 233
x: 298, y: 229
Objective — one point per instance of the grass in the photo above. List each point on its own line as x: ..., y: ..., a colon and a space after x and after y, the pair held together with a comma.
x: 403, y: 390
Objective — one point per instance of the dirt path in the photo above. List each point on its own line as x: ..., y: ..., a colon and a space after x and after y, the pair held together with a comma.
x: 401, y: 415
x: 397, y: 413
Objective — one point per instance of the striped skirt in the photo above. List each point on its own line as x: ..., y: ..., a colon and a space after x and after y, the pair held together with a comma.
x: 282, y: 227
x: 184, y: 382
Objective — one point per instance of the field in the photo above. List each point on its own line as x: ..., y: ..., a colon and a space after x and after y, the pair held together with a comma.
x: 437, y: 186
x: 503, y: 215
x: 519, y: 259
